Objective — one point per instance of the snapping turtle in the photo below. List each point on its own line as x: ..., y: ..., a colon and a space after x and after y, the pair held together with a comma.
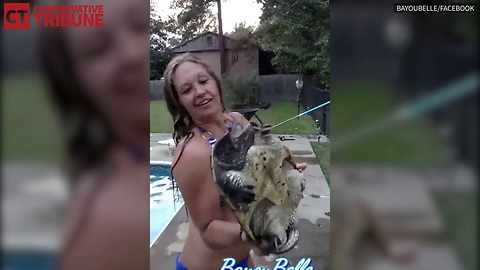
x: 252, y: 171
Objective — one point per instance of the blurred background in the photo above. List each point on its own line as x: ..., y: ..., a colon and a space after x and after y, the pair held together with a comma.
x: 34, y: 189
x: 33, y: 185
x: 37, y: 138
x: 404, y: 129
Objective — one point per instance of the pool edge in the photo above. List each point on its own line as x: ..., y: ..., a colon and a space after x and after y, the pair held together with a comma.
x: 166, y: 225
x: 162, y: 162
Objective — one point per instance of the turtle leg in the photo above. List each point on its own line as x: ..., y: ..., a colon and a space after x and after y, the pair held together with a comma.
x: 289, y: 157
x: 236, y: 189
x: 296, y: 183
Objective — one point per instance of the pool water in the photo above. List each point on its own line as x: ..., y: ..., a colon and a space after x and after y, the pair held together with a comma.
x: 165, y: 200
x: 28, y: 260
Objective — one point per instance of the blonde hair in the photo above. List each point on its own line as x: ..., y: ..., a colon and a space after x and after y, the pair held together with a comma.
x: 182, y: 120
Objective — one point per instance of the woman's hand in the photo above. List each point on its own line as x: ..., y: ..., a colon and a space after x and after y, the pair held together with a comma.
x: 301, y: 167
x: 260, y: 250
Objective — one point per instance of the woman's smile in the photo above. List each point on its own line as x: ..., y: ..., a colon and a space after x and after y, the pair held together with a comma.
x: 204, y: 102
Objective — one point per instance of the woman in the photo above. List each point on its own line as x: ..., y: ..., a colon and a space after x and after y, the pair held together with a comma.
x: 194, y: 98
x: 99, y: 81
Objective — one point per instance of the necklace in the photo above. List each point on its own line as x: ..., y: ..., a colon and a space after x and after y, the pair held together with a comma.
x: 211, y: 140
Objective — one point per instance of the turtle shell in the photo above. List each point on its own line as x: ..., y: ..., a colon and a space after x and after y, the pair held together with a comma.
x: 256, y: 174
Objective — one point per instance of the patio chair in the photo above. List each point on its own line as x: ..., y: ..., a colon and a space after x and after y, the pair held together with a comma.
x: 170, y: 143
x: 251, y: 111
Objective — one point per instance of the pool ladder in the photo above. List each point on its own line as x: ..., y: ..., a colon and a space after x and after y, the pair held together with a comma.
x: 175, y: 190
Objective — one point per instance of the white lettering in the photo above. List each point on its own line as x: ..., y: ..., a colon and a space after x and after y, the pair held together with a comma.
x: 303, y: 264
x: 435, y: 8
x: 228, y: 263
x: 281, y: 264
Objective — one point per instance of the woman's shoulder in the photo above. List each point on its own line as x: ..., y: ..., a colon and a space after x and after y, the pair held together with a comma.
x: 191, y: 152
x: 90, y: 219
x: 192, y: 144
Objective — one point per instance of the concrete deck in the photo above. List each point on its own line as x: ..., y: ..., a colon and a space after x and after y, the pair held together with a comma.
x: 314, y: 225
x: 33, y: 202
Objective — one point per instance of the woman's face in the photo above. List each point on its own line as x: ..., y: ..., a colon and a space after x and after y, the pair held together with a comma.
x: 112, y: 61
x: 197, y: 90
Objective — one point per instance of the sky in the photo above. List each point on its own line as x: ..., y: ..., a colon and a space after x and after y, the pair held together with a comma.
x: 233, y: 11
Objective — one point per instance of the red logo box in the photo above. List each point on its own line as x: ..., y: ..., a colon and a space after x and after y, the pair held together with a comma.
x: 16, y: 15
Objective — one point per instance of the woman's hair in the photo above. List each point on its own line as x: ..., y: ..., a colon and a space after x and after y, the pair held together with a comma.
x: 88, y: 134
x: 182, y: 121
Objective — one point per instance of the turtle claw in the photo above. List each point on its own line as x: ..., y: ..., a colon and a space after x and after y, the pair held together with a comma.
x: 244, y: 197
x: 237, y: 190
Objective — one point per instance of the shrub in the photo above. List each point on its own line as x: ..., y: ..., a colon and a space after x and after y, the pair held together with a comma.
x: 240, y: 92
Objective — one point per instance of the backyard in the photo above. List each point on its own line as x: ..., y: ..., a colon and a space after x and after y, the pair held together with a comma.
x: 414, y: 143
x: 29, y: 122
x: 31, y: 131
x: 161, y: 122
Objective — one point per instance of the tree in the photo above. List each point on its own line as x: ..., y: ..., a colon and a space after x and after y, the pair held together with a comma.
x: 242, y: 32
x: 298, y: 33
x: 245, y: 37
x: 194, y: 17
x: 159, y: 43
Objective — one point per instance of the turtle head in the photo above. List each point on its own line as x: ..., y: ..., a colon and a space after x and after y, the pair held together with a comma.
x: 231, y: 150
x: 284, y: 241
x: 240, y: 137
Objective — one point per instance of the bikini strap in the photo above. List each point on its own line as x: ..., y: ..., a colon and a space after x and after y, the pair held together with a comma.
x: 212, y: 141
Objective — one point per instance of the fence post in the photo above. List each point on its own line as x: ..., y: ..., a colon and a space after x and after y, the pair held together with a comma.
x: 324, y: 120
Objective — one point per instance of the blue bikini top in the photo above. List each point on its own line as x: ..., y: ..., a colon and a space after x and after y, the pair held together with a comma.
x: 212, y: 141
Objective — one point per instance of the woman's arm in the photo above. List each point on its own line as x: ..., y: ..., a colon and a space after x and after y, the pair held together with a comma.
x: 194, y: 178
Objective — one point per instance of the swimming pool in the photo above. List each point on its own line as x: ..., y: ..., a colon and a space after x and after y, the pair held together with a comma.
x: 165, y: 198
x: 24, y: 259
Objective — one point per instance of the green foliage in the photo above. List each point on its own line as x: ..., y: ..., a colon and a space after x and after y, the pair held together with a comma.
x: 159, y: 53
x: 322, y: 153
x: 244, y: 34
x: 195, y: 17
x: 298, y: 33
x: 158, y: 63
x: 240, y: 91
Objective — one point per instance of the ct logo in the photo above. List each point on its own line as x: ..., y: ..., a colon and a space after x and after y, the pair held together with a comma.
x: 16, y: 15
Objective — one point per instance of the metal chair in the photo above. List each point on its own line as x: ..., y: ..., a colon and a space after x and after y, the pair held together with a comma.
x: 251, y: 111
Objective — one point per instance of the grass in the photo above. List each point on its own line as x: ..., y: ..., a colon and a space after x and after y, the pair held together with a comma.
x: 29, y: 123
x: 282, y: 111
x: 160, y: 120
x: 31, y: 129
x: 413, y: 143
x: 460, y: 216
x: 322, y: 152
